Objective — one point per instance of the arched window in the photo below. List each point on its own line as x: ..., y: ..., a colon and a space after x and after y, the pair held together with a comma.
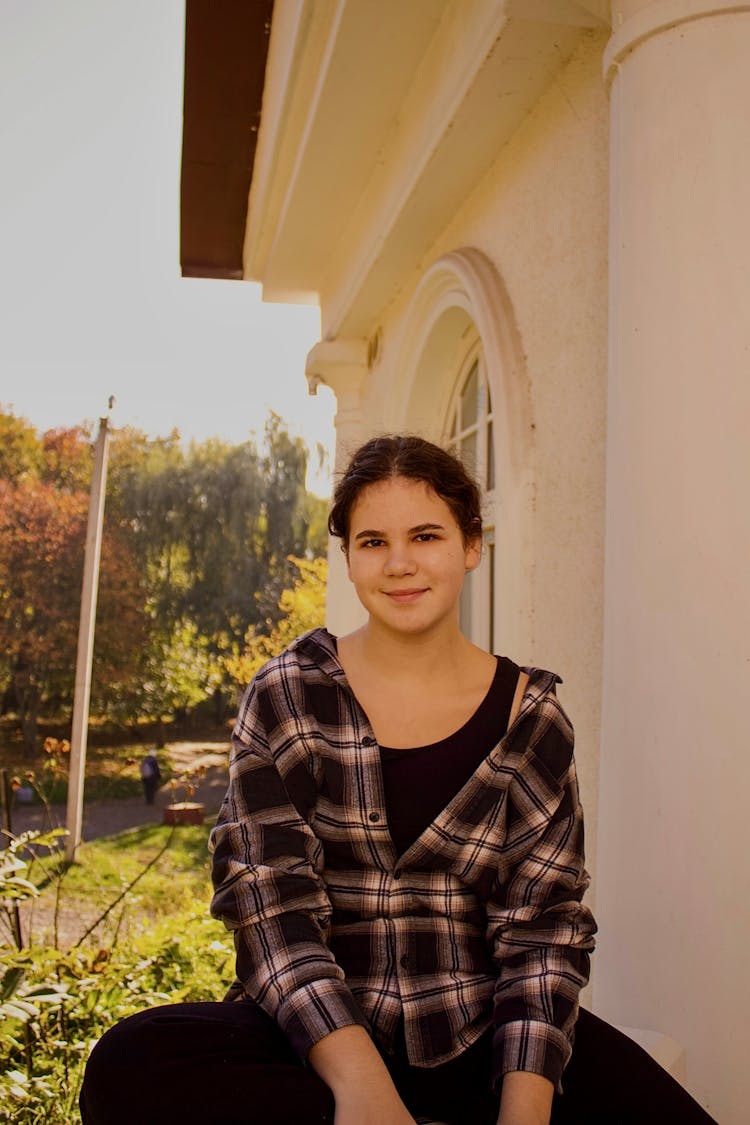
x: 460, y: 316
x: 469, y: 434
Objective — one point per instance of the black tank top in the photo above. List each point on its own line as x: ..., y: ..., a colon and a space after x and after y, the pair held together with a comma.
x: 419, y: 783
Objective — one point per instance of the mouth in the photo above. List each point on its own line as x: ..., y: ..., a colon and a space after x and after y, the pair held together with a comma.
x: 403, y: 597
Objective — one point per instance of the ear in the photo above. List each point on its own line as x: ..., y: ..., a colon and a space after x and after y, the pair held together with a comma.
x: 473, y: 553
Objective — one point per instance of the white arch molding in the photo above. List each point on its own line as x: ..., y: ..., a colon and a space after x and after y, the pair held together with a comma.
x: 459, y: 297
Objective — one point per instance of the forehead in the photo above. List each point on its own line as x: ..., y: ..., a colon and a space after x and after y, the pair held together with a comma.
x: 399, y: 500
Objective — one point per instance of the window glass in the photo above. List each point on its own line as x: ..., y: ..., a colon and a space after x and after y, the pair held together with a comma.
x: 468, y: 452
x: 470, y: 399
x: 470, y: 434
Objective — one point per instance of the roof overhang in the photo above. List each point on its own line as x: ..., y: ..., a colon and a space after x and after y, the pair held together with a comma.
x: 226, y: 45
x: 378, y: 122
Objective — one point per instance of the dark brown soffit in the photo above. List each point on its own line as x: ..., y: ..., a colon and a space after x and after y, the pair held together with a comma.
x: 226, y: 46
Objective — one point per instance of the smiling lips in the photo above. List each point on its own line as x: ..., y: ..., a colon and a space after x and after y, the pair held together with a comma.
x: 402, y: 597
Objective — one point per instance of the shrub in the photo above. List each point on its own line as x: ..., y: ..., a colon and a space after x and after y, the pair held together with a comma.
x: 55, y: 1003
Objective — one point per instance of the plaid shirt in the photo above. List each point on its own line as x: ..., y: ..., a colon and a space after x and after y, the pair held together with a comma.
x: 480, y: 920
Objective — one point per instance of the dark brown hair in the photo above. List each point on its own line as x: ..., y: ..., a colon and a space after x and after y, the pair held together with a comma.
x: 414, y: 458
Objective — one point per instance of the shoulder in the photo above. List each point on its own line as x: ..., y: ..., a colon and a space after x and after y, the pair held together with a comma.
x: 546, y: 733
x: 288, y: 685
x: 310, y: 657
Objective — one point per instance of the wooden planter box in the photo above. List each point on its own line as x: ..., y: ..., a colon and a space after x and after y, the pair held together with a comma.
x: 184, y: 812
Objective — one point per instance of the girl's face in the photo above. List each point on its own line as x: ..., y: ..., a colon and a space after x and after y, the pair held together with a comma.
x: 406, y: 556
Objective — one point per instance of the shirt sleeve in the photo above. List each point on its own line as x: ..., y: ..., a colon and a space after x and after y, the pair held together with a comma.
x: 540, y: 932
x: 268, y: 888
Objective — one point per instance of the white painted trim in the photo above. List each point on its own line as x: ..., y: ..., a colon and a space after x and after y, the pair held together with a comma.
x: 466, y: 281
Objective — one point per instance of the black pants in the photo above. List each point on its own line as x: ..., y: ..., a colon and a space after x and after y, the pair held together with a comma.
x: 229, y: 1064
x: 150, y: 788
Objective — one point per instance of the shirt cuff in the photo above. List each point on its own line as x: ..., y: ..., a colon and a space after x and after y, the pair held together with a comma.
x: 533, y: 1046
x: 315, y: 1010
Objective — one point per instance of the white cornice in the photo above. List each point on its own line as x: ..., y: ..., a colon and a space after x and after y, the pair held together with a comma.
x: 378, y: 120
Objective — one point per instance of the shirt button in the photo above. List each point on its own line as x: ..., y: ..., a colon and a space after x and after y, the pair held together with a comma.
x: 396, y: 874
x: 367, y: 741
x: 404, y: 961
x: 374, y: 817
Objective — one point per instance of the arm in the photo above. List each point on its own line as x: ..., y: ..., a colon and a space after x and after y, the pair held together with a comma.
x: 540, y: 932
x: 526, y: 1099
x: 267, y: 866
x: 349, y: 1063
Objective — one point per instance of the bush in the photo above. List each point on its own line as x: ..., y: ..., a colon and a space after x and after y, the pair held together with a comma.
x: 55, y: 1003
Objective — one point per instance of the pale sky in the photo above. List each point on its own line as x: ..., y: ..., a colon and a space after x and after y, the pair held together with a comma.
x: 91, y: 298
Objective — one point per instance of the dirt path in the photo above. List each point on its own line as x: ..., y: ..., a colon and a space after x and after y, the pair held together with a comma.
x: 105, y: 818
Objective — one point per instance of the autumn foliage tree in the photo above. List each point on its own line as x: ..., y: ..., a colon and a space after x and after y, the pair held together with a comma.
x: 43, y: 515
x: 195, y: 557
x: 41, y: 536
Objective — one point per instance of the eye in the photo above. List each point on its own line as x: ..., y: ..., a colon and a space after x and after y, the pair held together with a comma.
x: 424, y: 537
x: 371, y: 542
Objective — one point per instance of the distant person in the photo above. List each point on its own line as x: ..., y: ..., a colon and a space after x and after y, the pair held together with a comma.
x: 150, y: 776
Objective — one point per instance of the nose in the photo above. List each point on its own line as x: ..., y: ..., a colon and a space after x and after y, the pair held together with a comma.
x: 399, y: 560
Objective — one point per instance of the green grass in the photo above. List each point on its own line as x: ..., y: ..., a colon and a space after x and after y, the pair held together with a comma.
x: 103, y: 867
x: 162, y: 869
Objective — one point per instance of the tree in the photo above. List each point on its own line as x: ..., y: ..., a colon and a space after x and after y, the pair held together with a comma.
x: 302, y: 607
x: 195, y: 554
x: 42, y: 537
x: 214, y: 527
x: 175, y: 673
x: 21, y: 452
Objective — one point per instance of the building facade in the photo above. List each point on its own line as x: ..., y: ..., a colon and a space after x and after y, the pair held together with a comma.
x: 526, y: 225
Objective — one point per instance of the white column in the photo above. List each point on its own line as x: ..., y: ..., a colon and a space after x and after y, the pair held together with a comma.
x: 342, y: 366
x: 673, y: 894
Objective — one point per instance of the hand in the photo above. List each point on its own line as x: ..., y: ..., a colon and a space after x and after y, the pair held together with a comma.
x: 361, y: 1110
x: 349, y: 1063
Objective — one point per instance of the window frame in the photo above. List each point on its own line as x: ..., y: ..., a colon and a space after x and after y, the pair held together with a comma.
x: 479, y: 594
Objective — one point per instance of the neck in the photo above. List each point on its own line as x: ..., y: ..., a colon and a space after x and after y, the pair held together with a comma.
x: 403, y: 656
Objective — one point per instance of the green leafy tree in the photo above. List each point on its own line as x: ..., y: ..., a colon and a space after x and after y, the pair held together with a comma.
x: 176, y: 673
x: 214, y: 528
x: 301, y: 607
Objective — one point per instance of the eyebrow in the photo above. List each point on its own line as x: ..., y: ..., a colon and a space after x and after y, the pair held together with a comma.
x: 372, y: 533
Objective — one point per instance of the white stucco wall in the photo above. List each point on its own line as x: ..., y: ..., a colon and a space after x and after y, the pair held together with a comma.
x: 667, y: 409
x: 540, y: 215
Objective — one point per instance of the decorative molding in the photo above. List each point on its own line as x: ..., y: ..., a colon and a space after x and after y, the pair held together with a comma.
x: 656, y: 17
x: 342, y: 366
x: 338, y: 364
x: 466, y: 279
x: 462, y: 297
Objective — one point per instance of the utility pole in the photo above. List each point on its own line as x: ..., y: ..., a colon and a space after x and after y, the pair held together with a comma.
x: 84, y: 658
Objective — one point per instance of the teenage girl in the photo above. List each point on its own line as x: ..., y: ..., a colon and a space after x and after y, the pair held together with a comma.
x: 400, y: 858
